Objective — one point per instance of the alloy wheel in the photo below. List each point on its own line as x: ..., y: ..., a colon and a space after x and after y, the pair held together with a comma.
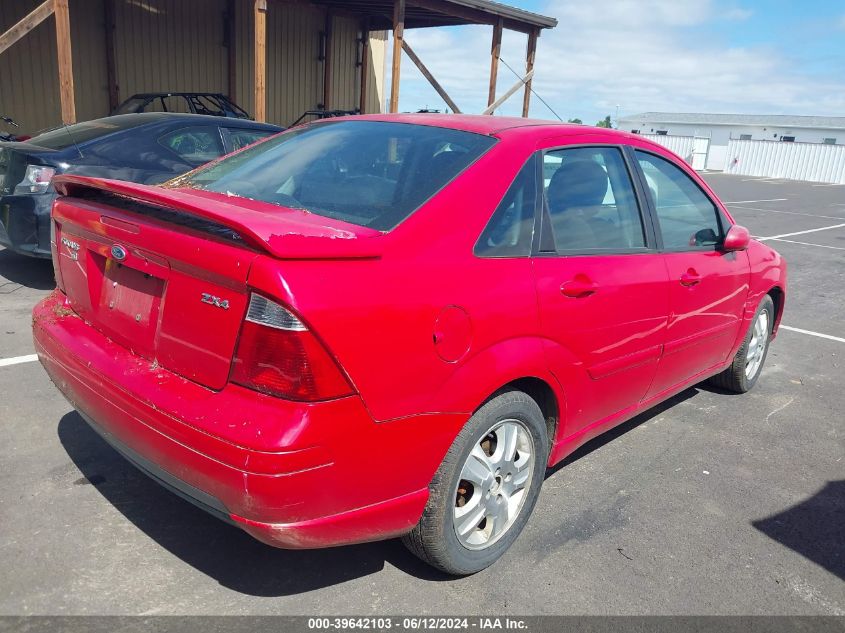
x: 493, y: 484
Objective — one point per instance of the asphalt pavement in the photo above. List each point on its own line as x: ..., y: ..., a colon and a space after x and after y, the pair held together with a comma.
x: 709, y: 504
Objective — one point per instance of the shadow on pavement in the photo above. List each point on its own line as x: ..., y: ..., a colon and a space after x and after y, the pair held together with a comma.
x: 232, y: 557
x: 217, y: 549
x: 31, y: 272
x: 612, y: 434
x: 815, y: 528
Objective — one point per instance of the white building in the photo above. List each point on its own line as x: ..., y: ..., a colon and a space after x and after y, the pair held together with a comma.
x: 721, y: 128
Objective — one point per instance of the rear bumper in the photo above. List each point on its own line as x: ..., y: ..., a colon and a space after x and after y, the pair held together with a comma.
x: 293, y: 475
x: 25, y: 224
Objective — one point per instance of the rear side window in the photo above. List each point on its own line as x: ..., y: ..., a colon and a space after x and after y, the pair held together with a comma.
x: 590, y: 200
x: 196, y: 145
x: 370, y: 173
x: 511, y: 228
x: 688, y: 218
x: 240, y: 138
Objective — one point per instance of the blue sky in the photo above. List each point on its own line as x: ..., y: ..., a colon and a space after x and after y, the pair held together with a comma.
x: 738, y: 56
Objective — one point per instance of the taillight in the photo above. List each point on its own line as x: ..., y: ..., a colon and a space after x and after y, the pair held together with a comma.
x: 36, y: 179
x: 277, y: 354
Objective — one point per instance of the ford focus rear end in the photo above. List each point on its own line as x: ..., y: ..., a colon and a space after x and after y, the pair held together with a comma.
x: 175, y: 333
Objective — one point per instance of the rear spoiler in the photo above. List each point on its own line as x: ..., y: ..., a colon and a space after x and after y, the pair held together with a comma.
x: 279, y: 231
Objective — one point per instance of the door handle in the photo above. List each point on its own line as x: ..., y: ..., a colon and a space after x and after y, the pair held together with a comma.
x: 578, y: 288
x: 690, y: 278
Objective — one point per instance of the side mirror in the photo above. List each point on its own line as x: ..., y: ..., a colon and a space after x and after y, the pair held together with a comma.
x: 737, y: 239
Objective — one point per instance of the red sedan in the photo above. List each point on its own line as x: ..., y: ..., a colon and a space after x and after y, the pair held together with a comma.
x: 386, y: 326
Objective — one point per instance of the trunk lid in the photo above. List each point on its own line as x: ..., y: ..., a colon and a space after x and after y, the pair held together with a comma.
x: 164, y: 272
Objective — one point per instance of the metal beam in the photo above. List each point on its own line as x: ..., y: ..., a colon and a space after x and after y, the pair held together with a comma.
x: 111, y: 74
x: 365, y: 63
x: 231, y: 49
x: 24, y: 26
x: 492, y: 107
x: 327, y: 61
x: 427, y: 74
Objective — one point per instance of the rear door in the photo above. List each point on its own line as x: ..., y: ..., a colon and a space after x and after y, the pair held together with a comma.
x: 601, y: 283
x: 707, y: 287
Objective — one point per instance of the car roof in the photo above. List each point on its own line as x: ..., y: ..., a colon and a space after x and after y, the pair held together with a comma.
x: 167, y: 117
x: 500, y: 126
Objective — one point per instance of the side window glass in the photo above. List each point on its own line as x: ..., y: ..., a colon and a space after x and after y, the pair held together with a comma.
x: 196, y: 145
x: 240, y: 137
x: 591, y: 201
x: 511, y: 227
x: 688, y: 218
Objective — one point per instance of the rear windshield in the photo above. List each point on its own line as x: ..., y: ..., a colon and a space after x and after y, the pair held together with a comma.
x: 370, y: 173
x: 67, y: 135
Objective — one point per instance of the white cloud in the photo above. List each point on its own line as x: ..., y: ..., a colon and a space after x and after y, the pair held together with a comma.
x: 737, y: 14
x: 640, y: 54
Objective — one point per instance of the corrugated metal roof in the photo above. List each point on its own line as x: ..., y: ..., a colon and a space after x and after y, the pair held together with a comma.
x: 427, y: 13
x: 779, y: 120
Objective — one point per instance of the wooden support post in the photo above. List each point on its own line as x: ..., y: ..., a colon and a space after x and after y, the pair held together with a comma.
x: 492, y: 107
x: 427, y: 74
x: 495, y: 50
x: 365, y: 63
x: 529, y: 69
x: 260, y: 50
x: 231, y: 49
x: 398, y: 38
x: 111, y: 75
x: 26, y: 24
x: 66, y: 96
x: 327, y: 62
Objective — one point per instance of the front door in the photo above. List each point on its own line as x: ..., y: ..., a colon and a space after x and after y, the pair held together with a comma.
x: 707, y: 287
x: 602, y: 286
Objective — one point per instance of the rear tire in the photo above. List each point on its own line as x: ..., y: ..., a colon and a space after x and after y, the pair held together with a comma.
x: 486, y: 499
x: 747, y: 365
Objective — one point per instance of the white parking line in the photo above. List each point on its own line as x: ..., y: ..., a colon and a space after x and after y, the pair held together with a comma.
x: 824, y: 228
x: 17, y: 360
x: 811, y: 333
x: 809, y: 215
x: 749, y: 201
x: 836, y: 248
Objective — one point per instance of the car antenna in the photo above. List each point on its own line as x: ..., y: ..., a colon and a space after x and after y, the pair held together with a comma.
x: 72, y: 140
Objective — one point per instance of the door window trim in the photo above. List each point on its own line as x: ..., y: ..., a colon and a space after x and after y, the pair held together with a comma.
x: 535, y: 227
x: 544, y: 236
x: 721, y: 219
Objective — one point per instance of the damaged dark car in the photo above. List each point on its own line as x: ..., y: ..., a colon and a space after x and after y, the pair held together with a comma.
x: 147, y: 148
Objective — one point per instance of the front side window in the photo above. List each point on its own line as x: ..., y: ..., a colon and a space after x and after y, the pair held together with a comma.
x: 370, y: 173
x: 591, y: 201
x: 511, y: 228
x: 196, y: 145
x: 688, y: 218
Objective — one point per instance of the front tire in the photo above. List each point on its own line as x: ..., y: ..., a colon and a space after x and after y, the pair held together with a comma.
x: 486, y: 487
x: 747, y: 365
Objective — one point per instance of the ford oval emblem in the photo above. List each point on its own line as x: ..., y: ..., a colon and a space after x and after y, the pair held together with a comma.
x: 118, y: 252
